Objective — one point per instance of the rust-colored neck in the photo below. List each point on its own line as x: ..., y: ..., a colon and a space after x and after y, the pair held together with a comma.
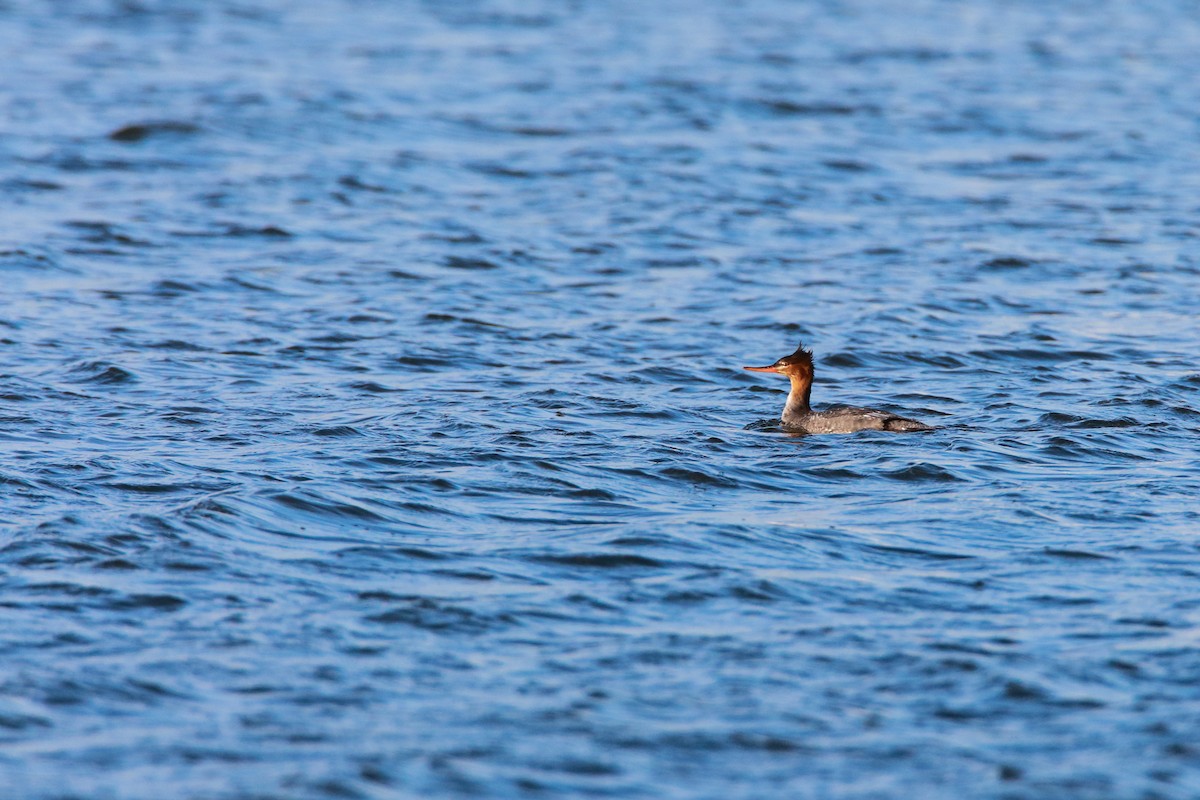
x: 798, y: 397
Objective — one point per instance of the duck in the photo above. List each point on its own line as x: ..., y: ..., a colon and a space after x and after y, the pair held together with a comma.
x: 798, y: 415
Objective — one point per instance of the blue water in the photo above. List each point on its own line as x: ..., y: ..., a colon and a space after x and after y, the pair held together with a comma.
x: 373, y: 424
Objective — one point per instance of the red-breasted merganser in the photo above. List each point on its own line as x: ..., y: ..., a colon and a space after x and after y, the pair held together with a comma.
x: 797, y: 415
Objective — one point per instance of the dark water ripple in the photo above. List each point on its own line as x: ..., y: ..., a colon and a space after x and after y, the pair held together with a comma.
x: 374, y: 424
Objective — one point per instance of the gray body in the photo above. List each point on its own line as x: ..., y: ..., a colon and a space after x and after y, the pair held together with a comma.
x: 847, y: 419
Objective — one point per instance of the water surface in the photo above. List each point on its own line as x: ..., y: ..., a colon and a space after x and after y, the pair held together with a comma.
x: 374, y: 423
